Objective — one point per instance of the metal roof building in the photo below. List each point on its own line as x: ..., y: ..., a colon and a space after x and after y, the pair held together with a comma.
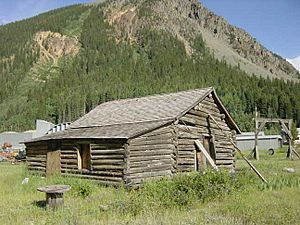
x: 246, y: 141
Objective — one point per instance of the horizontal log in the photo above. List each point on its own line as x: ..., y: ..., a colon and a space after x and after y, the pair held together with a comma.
x: 167, y: 136
x: 151, y: 153
x: 96, y: 157
x: 33, y: 144
x: 186, y: 142
x: 108, y: 162
x: 69, y: 166
x: 198, y: 129
x: 68, y: 151
x: 36, y: 151
x: 38, y: 164
x: 36, y: 158
x: 186, y: 161
x: 105, y: 146
x: 223, y: 150
x: 69, y: 161
x: 184, y: 135
x: 224, y: 157
x: 69, y: 156
x: 100, y: 173
x: 108, y: 152
x: 148, y: 158
x: 224, y: 162
x: 209, y: 106
x: 151, y: 142
x: 145, y: 175
x: 148, y: 169
x: 107, y: 167
x: 151, y: 147
x: 105, y: 179
x: 220, y: 155
x: 192, y: 119
x: 150, y: 163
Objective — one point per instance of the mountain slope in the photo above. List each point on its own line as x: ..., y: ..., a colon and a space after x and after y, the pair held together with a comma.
x: 187, y: 19
x: 61, y: 64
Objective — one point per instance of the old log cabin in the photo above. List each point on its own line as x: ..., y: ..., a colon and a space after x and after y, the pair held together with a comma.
x: 132, y: 140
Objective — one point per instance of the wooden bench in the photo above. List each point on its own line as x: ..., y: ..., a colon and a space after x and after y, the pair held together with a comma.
x: 54, y: 195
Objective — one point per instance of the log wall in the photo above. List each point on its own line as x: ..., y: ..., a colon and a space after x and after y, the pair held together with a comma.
x: 195, y: 125
x: 36, y: 156
x: 151, y: 155
x: 107, y: 161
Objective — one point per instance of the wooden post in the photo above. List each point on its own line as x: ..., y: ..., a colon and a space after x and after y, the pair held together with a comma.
x: 256, y: 153
x: 290, y: 152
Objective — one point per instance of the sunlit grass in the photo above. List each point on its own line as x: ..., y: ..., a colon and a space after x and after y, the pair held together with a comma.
x: 251, y: 202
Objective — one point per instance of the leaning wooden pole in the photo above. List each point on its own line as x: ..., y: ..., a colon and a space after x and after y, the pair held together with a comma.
x: 239, y: 151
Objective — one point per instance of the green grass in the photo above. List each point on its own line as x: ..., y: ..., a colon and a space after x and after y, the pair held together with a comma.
x: 212, y: 199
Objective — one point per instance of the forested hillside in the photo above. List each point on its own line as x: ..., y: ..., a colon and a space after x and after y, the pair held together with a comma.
x: 40, y: 81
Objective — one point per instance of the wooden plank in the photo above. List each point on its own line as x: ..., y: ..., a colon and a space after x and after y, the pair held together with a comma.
x: 53, y: 163
x: 206, y: 154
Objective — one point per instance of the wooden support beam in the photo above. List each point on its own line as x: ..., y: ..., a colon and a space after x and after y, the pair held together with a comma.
x: 271, y: 120
x: 239, y: 151
x: 206, y: 154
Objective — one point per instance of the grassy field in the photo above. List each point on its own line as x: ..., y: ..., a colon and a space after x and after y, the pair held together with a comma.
x: 227, y: 199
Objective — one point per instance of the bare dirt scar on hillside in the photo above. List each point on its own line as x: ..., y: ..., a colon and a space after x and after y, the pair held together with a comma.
x: 53, y: 46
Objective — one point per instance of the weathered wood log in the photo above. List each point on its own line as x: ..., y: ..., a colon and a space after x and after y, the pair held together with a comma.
x: 151, y: 147
x: 69, y: 166
x: 145, y: 175
x: 150, y: 162
x: 108, y: 152
x: 36, y: 158
x: 151, y: 142
x: 149, y: 169
x: 105, y: 180
x: 192, y: 119
x: 167, y: 136
x: 108, y: 167
x: 224, y: 162
x: 38, y: 164
x: 73, y: 156
x: 101, y: 173
x: 108, y: 162
x: 69, y: 161
x: 141, y: 158
x: 96, y: 157
x: 151, y: 153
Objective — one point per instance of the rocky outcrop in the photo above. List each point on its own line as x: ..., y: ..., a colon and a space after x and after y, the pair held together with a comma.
x: 186, y: 19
